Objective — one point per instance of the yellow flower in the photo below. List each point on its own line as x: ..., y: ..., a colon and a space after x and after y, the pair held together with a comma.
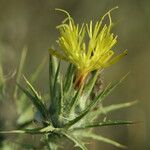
x: 88, y: 47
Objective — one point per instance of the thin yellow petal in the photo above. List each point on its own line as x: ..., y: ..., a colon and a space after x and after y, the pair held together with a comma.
x: 115, y: 59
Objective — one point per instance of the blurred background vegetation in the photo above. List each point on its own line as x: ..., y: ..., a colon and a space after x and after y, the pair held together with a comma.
x: 32, y: 23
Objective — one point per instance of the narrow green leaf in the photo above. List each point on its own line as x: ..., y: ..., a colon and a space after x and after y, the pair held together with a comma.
x: 68, y: 78
x: 56, y: 98
x: 36, y: 101
x: 103, y: 139
x: 75, y: 99
x: 31, y: 88
x: 53, y: 64
x: 21, y: 132
x: 104, y: 110
x: 60, y: 104
x: 104, y: 123
x: 31, y: 131
x: 104, y: 93
x: 22, y: 104
x: 56, y: 81
x: 78, y: 143
x: 89, y: 86
x: 68, y: 89
x: 56, y: 90
x: 107, y: 109
x: 21, y: 65
x: 110, y: 88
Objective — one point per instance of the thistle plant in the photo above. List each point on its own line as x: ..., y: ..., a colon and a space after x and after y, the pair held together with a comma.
x: 72, y: 108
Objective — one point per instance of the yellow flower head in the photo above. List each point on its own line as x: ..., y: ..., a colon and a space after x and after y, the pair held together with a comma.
x: 87, y: 55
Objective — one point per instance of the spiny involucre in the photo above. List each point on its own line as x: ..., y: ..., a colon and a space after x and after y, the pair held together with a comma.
x: 96, y: 54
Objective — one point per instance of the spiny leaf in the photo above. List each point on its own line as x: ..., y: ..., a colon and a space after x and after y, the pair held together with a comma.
x: 114, y: 107
x: 30, y: 131
x: 110, y: 88
x: 36, y: 101
x: 22, y: 104
x: 104, y: 123
x: 78, y: 143
x: 104, y: 110
x: 94, y: 102
x: 35, y: 75
x: 103, y: 139
x: 31, y: 88
x: 104, y: 93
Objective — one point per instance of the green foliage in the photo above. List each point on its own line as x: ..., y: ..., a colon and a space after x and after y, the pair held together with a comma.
x: 72, y: 108
x: 70, y: 112
x: 35, y: 98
